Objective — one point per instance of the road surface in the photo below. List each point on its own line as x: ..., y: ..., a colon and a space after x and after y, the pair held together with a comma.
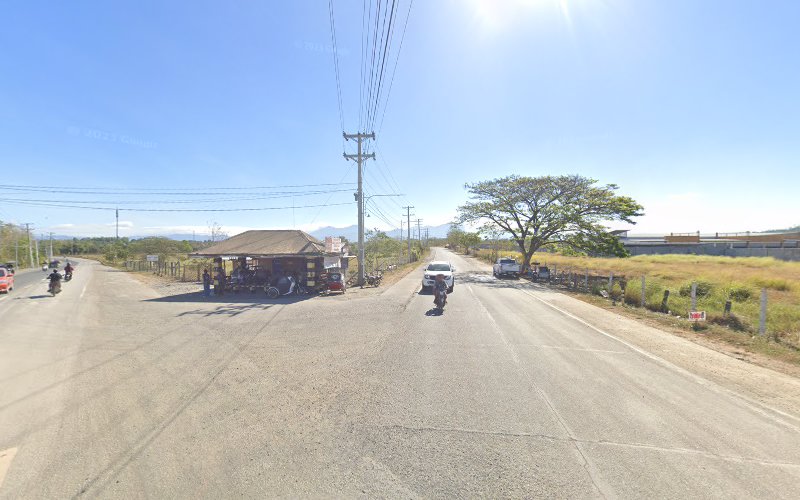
x: 110, y: 390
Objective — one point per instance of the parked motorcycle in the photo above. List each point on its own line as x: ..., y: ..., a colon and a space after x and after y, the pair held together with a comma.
x: 374, y: 279
x: 285, y: 286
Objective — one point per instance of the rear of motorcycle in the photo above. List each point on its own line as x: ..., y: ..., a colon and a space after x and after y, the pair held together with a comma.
x: 441, y: 299
x: 54, y: 288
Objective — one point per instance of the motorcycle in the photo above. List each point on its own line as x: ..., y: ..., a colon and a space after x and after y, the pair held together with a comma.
x: 54, y: 288
x: 275, y: 291
x: 374, y: 279
x: 441, y: 299
x: 67, y: 276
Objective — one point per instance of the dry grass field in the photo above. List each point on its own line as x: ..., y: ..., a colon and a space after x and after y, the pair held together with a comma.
x: 719, y: 279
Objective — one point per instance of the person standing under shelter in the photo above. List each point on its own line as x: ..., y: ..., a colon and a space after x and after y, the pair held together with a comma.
x: 206, y: 283
x: 220, y: 288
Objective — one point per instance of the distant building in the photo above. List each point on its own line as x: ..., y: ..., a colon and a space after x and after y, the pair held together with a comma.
x: 780, y: 245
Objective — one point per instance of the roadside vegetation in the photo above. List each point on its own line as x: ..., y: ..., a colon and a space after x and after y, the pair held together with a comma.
x: 718, y: 279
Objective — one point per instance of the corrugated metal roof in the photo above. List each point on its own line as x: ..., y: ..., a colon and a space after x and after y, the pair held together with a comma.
x: 266, y: 242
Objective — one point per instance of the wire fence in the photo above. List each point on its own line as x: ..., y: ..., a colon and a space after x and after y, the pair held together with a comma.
x: 759, y: 312
x: 177, y: 270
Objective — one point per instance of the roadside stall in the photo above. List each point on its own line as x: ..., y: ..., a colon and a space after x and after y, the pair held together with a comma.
x: 260, y: 258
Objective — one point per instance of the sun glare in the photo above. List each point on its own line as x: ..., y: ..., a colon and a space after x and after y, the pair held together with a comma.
x: 501, y: 14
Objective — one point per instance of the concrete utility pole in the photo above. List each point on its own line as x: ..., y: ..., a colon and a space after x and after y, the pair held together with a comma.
x: 419, y: 231
x: 360, y: 157
x: 30, y: 247
x: 117, y: 223
x: 51, y: 246
x: 37, y: 250
x: 408, y: 217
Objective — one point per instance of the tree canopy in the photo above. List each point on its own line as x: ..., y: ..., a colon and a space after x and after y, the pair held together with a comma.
x: 550, y: 211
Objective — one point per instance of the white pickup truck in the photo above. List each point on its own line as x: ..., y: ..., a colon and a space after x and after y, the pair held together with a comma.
x: 506, y: 266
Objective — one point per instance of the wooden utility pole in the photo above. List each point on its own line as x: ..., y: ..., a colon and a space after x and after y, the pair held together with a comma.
x: 360, y: 157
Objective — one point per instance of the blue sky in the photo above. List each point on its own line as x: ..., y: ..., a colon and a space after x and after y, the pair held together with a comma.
x: 690, y: 106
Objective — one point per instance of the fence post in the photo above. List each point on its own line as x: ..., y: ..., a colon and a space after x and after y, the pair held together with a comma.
x: 727, y: 308
x: 610, y: 281
x: 694, y: 296
x: 664, y: 301
x: 586, y: 280
x: 555, y: 273
x: 643, y: 292
x: 762, y: 323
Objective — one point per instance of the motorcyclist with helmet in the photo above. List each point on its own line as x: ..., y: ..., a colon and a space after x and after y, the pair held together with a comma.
x: 55, y: 281
x: 440, y: 291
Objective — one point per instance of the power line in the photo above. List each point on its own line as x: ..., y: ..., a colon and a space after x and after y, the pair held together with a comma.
x: 158, y: 202
x: 63, y: 205
x: 175, y: 191
x: 389, y: 31
x: 336, y: 65
x: 394, y: 71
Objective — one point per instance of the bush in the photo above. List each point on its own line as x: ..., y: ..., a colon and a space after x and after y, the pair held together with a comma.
x: 704, y: 289
x: 739, y: 293
x: 778, y: 284
x: 731, y: 321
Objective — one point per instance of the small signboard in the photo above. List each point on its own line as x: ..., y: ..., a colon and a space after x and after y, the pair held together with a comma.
x: 697, y: 315
x: 152, y: 258
x: 333, y: 244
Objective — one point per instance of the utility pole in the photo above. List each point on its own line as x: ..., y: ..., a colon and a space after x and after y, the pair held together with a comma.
x: 360, y: 157
x: 408, y: 217
x: 419, y: 231
x: 401, y: 231
x: 117, y: 223
x: 30, y: 247
x: 51, y: 247
x: 37, y: 250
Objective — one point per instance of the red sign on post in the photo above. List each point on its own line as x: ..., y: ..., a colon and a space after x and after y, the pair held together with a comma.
x: 697, y: 315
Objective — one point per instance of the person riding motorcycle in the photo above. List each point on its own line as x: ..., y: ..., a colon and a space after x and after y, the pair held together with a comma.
x: 68, y: 268
x: 439, y: 289
x: 55, y: 279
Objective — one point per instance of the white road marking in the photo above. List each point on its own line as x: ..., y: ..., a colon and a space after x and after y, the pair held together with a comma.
x: 82, y: 292
x: 6, y: 456
x: 754, y: 404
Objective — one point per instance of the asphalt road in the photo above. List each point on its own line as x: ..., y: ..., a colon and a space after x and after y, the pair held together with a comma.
x: 110, y: 390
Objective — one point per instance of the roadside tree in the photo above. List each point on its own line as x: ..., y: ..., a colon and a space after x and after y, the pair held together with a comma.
x: 566, y: 211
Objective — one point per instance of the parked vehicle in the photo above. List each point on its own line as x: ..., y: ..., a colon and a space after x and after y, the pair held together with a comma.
x: 6, y: 280
x: 506, y: 266
x: 542, y: 273
x: 439, y: 267
x: 374, y: 279
x: 285, y: 286
x: 334, y: 283
x: 11, y: 266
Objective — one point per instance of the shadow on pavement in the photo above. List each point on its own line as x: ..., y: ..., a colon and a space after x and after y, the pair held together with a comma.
x: 227, y: 310
x: 45, y: 296
x: 231, y: 298
x: 434, y: 312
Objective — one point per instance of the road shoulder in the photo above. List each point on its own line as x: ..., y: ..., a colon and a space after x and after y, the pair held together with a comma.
x: 771, y: 388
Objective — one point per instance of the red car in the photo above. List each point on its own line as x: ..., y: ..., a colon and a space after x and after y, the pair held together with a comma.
x: 6, y: 280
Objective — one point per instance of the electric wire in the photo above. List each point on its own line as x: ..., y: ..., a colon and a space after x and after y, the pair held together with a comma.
x: 336, y: 65
x: 248, y: 209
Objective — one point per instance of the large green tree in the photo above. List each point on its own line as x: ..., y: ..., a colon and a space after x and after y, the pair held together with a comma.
x: 566, y: 211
